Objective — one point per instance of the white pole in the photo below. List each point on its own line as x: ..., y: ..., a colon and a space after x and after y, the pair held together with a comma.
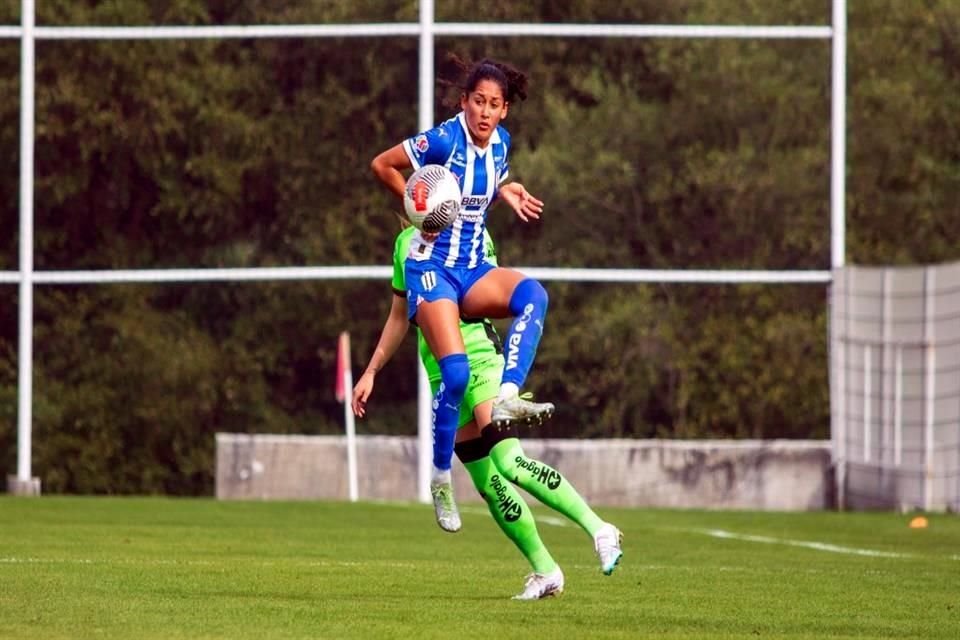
x: 351, y: 437
x: 844, y: 300
x: 426, y: 80
x: 25, y: 346
x: 424, y: 122
x: 885, y: 432
x: 867, y: 399
x: 424, y: 434
x: 838, y: 139
x: 929, y: 385
x: 898, y: 408
x: 345, y: 395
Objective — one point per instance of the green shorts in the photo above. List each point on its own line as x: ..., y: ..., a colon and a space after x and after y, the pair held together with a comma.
x: 485, y: 375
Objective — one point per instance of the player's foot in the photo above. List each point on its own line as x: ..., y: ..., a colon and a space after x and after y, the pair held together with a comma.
x: 519, y: 410
x: 448, y: 517
x: 540, y: 585
x: 607, y: 543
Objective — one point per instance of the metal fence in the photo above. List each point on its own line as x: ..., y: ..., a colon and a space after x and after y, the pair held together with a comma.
x: 895, y: 387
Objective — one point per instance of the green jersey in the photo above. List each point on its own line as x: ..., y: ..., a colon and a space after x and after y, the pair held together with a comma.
x: 479, y: 338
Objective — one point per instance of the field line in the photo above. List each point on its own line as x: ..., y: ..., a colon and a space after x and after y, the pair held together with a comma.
x: 807, y: 544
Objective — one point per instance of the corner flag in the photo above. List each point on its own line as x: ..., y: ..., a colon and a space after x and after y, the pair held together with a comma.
x: 343, y: 365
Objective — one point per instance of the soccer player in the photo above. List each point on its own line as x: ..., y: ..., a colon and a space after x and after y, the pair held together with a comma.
x: 492, y: 455
x: 446, y: 275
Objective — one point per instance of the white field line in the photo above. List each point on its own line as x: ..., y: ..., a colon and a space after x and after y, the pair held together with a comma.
x: 807, y: 544
x: 201, y: 563
x: 130, y: 561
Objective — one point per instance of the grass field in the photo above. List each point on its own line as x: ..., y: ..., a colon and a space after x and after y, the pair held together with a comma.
x: 165, y: 568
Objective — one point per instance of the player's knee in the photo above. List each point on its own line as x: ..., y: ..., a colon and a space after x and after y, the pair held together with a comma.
x: 529, y: 292
x: 509, y: 460
x: 455, y: 373
x: 472, y: 450
x: 509, y: 466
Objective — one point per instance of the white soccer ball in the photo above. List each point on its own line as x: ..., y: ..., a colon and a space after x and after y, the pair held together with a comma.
x: 431, y: 198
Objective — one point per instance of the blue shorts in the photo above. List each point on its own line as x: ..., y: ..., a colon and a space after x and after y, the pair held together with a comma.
x: 429, y: 281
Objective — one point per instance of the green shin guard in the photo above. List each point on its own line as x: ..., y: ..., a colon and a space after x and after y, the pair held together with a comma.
x: 543, y: 482
x: 511, y: 513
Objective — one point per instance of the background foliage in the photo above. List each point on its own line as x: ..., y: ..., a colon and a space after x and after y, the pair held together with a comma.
x: 663, y: 153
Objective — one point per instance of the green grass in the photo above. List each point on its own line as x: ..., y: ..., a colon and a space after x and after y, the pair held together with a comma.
x: 167, y: 568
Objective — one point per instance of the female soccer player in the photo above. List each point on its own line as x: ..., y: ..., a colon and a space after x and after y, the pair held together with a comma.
x: 492, y: 454
x: 446, y: 275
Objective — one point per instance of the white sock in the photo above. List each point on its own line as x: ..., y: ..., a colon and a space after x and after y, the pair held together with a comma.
x: 508, y: 390
x: 441, y: 475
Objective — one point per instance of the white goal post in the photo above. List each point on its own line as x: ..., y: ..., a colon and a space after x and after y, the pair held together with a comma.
x: 426, y: 29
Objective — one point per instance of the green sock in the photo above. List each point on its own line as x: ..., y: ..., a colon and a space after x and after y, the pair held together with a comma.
x: 511, y: 513
x: 545, y: 483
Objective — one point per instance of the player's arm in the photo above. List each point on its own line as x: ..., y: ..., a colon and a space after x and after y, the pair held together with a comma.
x: 388, y: 167
x: 394, y: 329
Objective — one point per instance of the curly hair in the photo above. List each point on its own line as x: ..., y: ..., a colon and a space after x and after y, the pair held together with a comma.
x: 466, y: 77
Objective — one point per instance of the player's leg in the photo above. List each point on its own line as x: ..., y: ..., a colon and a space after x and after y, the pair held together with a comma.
x: 502, y: 293
x: 431, y: 300
x: 433, y: 293
x: 551, y: 488
x: 511, y: 513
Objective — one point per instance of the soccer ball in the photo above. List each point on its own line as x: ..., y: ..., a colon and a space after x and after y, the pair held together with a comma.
x: 431, y: 198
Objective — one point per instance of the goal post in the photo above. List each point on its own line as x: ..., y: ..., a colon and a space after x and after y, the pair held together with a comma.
x: 26, y: 278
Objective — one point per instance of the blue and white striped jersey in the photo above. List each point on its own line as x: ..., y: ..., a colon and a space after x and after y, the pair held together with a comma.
x: 479, y: 172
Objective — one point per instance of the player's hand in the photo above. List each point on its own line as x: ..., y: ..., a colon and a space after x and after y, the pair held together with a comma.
x: 362, y: 391
x: 429, y: 237
x: 521, y: 201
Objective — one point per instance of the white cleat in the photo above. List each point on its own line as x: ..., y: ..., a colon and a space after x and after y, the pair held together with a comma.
x: 448, y: 517
x: 540, y: 585
x: 520, y: 411
x: 607, y: 544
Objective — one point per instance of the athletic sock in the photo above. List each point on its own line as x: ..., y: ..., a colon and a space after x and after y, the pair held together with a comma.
x: 544, y: 483
x: 528, y: 305
x: 511, y: 513
x: 507, y: 391
x: 454, y: 376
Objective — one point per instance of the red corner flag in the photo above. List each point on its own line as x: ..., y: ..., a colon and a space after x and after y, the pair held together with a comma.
x: 343, y: 365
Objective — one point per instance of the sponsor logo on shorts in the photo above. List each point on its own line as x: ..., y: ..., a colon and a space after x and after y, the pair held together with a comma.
x: 507, y: 506
x: 478, y: 379
x: 540, y: 472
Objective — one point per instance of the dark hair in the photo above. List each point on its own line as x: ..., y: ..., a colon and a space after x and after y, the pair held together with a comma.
x: 512, y: 81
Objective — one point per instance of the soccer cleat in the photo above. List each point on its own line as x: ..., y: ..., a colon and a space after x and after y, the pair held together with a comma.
x: 607, y: 543
x: 539, y: 585
x: 448, y: 517
x: 520, y: 411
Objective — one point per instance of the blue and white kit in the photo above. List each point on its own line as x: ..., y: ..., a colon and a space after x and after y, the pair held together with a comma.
x: 479, y: 172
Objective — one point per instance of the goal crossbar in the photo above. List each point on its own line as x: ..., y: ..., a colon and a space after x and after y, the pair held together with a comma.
x: 556, y: 30
x: 374, y: 272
